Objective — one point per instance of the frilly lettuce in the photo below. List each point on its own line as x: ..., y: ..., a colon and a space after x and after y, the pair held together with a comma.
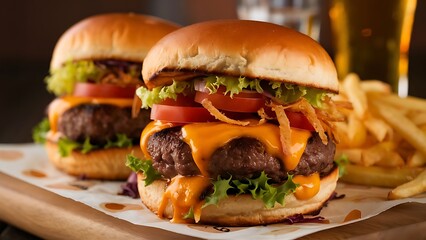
x: 66, y: 145
x: 341, y: 162
x: 145, y: 166
x: 288, y: 93
x: 233, y: 85
x: 61, y: 81
x: 40, y: 131
x: 259, y: 188
x: 284, y: 92
x: 158, y: 94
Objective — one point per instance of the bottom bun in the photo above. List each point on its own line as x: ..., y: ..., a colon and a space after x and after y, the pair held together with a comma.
x: 243, y: 210
x: 108, y: 164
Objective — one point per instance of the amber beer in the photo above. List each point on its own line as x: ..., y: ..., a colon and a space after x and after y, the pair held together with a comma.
x: 371, y: 38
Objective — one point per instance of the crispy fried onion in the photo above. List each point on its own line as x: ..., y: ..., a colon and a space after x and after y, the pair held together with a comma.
x: 119, y: 78
x: 330, y: 129
x: 306, y: 109
x: 332, y: 110
x: 284, y: 126
x: 220, y: 116
x: 263, y: 115
x: 136, y: 105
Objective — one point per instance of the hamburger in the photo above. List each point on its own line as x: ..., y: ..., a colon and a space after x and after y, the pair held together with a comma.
x: 94, y: 71
x: 242, y: 130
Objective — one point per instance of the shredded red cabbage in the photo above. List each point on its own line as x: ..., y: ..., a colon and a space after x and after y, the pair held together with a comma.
x: 130, y: 188
x: 334, y: 196
x: 300, y: 218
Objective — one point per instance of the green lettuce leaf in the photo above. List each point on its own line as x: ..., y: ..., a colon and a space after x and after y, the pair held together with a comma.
x: 315, y: 97
x: 232, y: 85
x: 259, y: 188
x: 40, y: 131
x: 66, y: 145
x: 145, y: 166
x: 288, y: 93
x: 341, y: 162
x: 121, y: 141
x: 158, y: 94
x: 62, y: 80
x: 189, y: 214
x: 220, y: 189
x: 87, y: 146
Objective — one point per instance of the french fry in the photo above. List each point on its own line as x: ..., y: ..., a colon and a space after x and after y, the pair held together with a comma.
x: 341, y: 128
x: 378, y: 128
x: 352, y: 88
x: 383, y: 136
x: 418, y: 159
x: 354, y: 154
x: 411, y: 103
x: 379, y: 176
x: 407, y: 129
x: 357, y: 133
x: 391, y: 159
x: 411, y: 188
x: 382, y: 154
x: 375, y: 86
x: 418, y: 118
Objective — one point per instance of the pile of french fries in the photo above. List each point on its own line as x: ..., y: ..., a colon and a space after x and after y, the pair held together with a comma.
x: 383, y: 136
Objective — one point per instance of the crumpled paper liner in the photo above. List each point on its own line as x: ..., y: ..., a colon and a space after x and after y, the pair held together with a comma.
x: 28, y: 162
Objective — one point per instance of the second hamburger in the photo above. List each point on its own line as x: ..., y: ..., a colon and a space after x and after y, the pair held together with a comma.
x: 95, y: 69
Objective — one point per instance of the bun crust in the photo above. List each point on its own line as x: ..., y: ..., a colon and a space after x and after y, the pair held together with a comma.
x: 121, y: 36
x: 240, y: 48
x: 242, y: 210
x: 108, y: 164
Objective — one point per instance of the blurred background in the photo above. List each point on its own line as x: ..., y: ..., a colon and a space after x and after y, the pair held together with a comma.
x: 31, y: 28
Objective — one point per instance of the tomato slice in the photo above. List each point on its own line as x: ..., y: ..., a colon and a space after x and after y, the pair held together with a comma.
x: 298, y: 120
x: 180, y: 114
x: 103, y: 90
x: 234, y: 104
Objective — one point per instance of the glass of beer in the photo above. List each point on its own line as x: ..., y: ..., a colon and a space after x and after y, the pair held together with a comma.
x: 301, y: 15
x: 371, y: 38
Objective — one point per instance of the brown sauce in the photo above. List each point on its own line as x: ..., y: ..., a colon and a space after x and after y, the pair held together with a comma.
x: 10, y: 155
x: 120, y: 207
x: 34, y: 173
x: 352, y: 215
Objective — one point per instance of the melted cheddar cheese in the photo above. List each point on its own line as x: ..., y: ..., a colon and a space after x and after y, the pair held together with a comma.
x: 184, y: 193
x: 60, y: 105
x: 150, y: 129
x: 205, y: 138
x: 309, y: 186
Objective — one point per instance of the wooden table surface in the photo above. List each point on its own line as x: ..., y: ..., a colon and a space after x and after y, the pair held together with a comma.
x: 51, y: 216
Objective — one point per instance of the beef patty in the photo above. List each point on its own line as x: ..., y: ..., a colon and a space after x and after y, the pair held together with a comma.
x: 240, y: 158
x: 101, y: 122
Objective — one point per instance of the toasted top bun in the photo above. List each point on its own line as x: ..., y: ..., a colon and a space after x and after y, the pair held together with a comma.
x: 121, y: 36
x: 240, y: 48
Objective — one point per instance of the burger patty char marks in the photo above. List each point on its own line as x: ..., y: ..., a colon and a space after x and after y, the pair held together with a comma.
x: 101, y: 122
x: 242, y: 157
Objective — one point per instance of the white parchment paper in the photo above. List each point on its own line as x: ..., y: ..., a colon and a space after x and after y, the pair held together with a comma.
x: 28, y: 162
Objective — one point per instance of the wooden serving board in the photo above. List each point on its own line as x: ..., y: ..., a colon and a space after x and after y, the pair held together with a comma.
x: 51, y: 216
